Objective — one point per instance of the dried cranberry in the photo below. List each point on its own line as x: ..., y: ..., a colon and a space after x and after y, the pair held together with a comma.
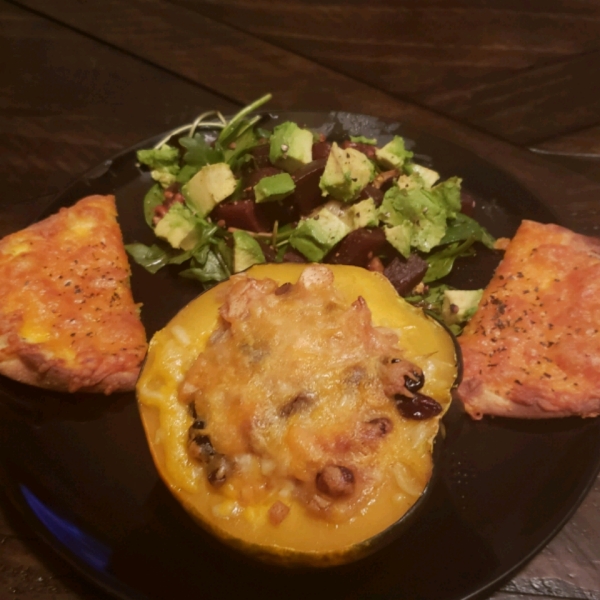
x: 418, y: 408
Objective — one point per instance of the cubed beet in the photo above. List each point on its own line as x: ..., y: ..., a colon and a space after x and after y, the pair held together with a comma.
x: 358, y: 247
x: 405, y: 274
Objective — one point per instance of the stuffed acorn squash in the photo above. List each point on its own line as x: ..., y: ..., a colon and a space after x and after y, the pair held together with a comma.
x: 292, y: 410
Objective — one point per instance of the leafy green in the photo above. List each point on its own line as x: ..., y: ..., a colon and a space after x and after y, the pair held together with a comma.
x: 154, y: 197
x: 234, y: 155
x: 199, y: 153
x: 152, y: 258
x: 238, y: 122
x: 211, y: 270
x: 441, y: 262
x: 462, y: 227
x: 186, y: 173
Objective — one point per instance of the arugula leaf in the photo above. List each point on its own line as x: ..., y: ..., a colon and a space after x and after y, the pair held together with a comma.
x: 186, y: 173
x: 441, y: 262
x: 211, y: 271
x: 232, y: 129
x: 463, y: 227
x: 152, y: 258
x: 154, y: 197
x: 262, y: 133
x: 235, y: 155
x: 199, y: 153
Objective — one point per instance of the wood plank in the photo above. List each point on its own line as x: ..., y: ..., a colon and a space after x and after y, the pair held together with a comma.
x: 57, y: 97
x: 244, y: 67
x: 533, y: 105
x: 584, y: 143
x: 410, y: 48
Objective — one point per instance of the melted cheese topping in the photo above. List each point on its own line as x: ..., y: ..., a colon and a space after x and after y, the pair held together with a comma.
x: 533, y: 347
x: 66, y: 310
x: 292, y: 386
x: 293, y: 381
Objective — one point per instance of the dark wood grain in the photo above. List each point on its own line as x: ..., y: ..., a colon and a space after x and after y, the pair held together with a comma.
x: 242, y: 67
x: 105, y: 75
x: 532, y: 106
x: 514, y: 71
x: 68, y: 102
x: 584, y: 143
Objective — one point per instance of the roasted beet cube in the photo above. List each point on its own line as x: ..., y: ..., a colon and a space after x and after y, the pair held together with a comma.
x: 261, y: 155
x: 242, y: 214
x: 308, y: 195
x: 372, y: 192
x: 358, y: 247
x: 366, y: 149
x: 405, y: 274
x: 321, y: 150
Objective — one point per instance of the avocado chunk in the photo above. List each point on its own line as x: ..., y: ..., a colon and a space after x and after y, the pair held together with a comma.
x: 178, y: 227
x: 246, y: 251
x: 399, y: 236
x: 394, y: 154
x: 274, y: 187
x: 346, y: 173
x: 290, y: 147
x: 364, y: 214
x: 428, y: 177
x: 460, y: 305
x: 316, y: 236
x: 211, y: 185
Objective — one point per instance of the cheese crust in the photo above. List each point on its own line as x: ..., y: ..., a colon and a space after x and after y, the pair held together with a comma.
x: 532, y: 350
x: 68, y: 321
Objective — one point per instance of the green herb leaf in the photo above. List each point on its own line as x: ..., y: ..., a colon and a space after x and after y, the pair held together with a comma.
x: 199, y: 153
x: 441, y: 262
x: 462, y: 228
x: 152, y: 258
x: 213, y: 270
x: 231, y: 130
x: 154, y: 197
x: 186, y: 173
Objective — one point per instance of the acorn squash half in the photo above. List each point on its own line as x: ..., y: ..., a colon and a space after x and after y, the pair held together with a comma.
x: 288, y: 464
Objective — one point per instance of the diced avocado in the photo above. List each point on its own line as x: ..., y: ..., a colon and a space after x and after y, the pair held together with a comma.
x: 399, y: 237
x: 425, y: 210
x: 409, y: 182
x: 290, y: 146
x: 393, y: 155
x: 428, y: 176
x: 208, y: 187
x: 364, y: 214
x: 246, y: 251
x: 316, y: 236
x: 178, y: 227
x: 460, y: 305
x: 347, y: 172
x: 275, y: 187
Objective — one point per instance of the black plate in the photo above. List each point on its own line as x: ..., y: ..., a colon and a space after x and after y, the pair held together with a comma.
x: 79, y: 469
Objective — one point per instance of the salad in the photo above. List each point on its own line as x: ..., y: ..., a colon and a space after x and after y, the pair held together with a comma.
x: 231, y: 194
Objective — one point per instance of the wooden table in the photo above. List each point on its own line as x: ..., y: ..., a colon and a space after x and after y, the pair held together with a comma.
x: 82, y: 80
